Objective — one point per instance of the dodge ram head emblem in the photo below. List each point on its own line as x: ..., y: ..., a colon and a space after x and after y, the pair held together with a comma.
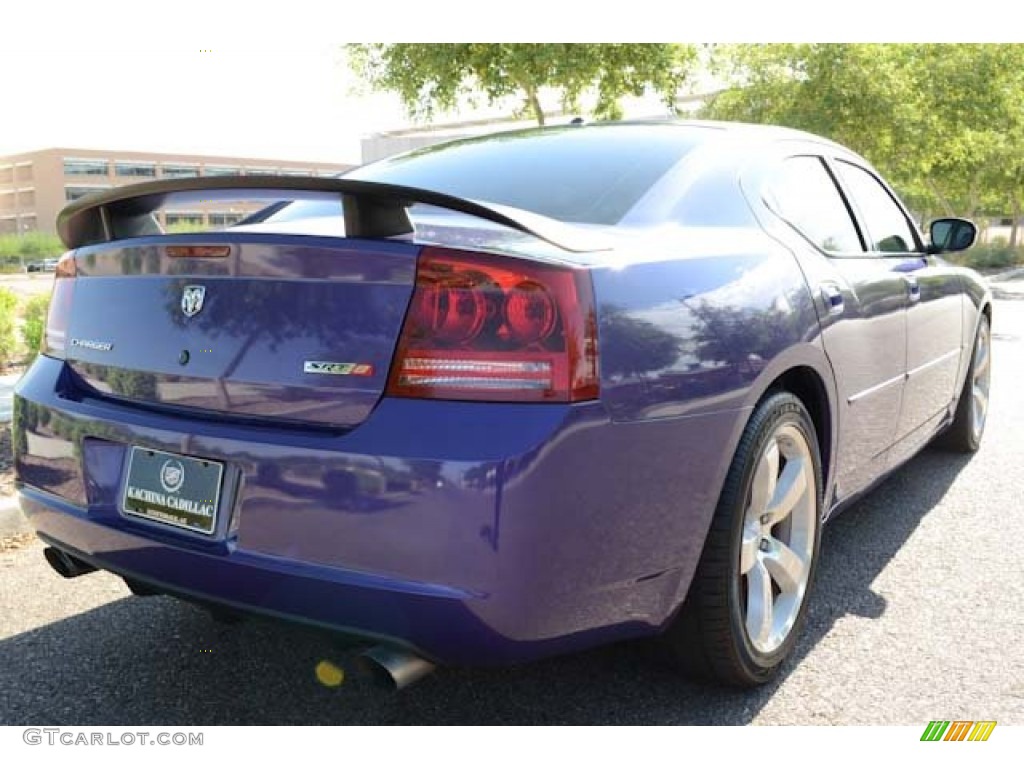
x: 192, y: 299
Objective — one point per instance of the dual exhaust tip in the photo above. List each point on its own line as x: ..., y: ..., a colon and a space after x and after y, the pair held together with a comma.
x: 386, y: 665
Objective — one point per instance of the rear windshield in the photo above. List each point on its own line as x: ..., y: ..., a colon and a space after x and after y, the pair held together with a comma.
x: 590, y: 175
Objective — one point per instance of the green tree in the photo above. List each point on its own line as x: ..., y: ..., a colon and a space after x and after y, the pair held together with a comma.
x: 945, y: 123
x: 860, y: 95
x: 430, y: 77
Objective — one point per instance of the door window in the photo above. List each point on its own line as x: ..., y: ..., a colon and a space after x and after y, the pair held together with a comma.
x: 888, y: 228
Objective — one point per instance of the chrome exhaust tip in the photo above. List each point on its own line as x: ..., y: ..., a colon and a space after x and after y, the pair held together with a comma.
x: 394, y: 668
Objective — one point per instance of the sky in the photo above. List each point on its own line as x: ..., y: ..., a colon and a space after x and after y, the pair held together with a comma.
x: 289, y: 104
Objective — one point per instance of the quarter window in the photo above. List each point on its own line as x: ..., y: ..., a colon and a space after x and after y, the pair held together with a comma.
x: 887, y: 226
x: 803, y: 193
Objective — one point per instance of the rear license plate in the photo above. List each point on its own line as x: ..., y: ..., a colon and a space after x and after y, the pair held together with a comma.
x: 173, y: 489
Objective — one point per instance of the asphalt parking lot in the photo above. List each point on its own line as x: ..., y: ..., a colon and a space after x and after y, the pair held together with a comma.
x: 916, y: 616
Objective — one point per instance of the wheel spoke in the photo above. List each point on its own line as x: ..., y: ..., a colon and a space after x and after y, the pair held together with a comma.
x: 786, y: 567
x: 981, y: 361
x: 792, y: 485
x: 980, y: 401
x: 759, y: 604
x: 765, y: 479
x: 748, y: 548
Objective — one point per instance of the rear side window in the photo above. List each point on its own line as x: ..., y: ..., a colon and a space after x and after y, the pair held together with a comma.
x: 591, y: 175
x: 887, y: 226
x: 802, y: 191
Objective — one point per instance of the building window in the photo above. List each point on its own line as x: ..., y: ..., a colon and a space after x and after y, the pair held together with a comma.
x: 135, y: 170
x: 221, y: 170
x: 27, y: 198
x: 184, y: 219
x: 85, y: 167
x: 6, y: 201
x: 296, y: 172
x: 260, y: 171
x: 74, y: 193
x: 180, y: 171
x: 224, y: 219
x: 23, y: 171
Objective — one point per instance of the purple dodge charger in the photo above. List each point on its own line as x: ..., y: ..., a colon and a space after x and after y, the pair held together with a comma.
x: 504, y: 398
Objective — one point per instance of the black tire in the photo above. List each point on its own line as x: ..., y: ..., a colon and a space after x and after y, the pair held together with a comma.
x: 708, y: 639
x: 965, y: 433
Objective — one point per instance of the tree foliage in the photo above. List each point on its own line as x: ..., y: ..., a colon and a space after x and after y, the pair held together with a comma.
x: 944, y: 122
x: 8, y: 312
x: 431, y: 77
x: 33, y: 324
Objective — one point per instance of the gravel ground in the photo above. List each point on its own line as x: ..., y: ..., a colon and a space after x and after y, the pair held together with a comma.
x: 916, y: 616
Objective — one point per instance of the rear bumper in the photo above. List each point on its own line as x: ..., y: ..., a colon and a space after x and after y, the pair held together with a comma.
x: 472, y: 533
x: 430, y: 619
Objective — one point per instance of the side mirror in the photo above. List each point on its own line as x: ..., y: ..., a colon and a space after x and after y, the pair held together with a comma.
x: 948, y: 235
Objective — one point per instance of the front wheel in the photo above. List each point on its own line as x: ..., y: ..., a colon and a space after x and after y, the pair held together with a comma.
x: 747, y: 600
x: 964, y: 434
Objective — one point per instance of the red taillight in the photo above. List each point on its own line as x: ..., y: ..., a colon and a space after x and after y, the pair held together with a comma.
x: 59, y: 313
x: 483, y: 327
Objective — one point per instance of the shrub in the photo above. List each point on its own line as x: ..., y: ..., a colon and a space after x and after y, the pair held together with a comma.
x: 8, y: 315
x: 992, y: 256
x: 34, y: 245
x: 34, y: 321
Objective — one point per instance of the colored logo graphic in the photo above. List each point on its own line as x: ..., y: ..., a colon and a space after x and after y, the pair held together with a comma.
x: 958, y: 730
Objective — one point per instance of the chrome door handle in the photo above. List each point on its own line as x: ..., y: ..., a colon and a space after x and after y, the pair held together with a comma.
x: 832, y: 295
x: 913, y: 289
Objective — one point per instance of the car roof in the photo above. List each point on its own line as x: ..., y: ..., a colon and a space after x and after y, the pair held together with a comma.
x: 756, y: 132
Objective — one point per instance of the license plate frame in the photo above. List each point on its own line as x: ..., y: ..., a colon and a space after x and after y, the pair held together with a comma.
x: 173, y: 489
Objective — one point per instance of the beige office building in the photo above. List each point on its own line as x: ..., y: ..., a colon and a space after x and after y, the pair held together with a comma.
x: 34, y: 186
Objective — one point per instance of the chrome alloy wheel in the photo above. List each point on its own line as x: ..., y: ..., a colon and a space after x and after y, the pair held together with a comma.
x: 981, y: 379
x: 777, y: 547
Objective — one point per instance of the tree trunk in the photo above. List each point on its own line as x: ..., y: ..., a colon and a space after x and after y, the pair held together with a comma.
x: 1015, y: 227
x: 534, y: 101
x: 947, y: 208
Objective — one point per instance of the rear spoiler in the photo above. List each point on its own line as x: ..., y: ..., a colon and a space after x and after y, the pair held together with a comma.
x: 371, y: 209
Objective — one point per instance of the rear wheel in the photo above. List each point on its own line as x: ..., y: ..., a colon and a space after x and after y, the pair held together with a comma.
x: 964, y: 434
x: 748, y: 597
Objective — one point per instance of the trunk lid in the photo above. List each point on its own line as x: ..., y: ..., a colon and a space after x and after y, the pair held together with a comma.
x: 280, y: 327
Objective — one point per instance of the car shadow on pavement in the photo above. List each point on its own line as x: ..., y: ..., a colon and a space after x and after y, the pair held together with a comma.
x: 141, y: 661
